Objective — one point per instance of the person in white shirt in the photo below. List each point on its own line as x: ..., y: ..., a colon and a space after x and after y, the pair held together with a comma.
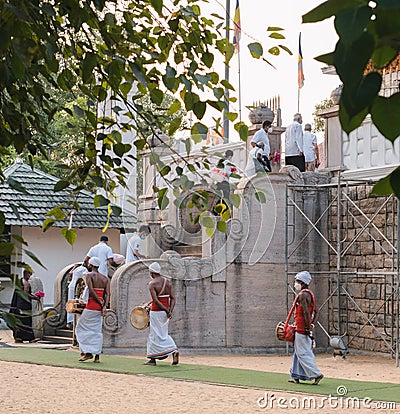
x: 133, y: 252
x: 294, y: 144
x: 310, y: 146
x: 262, y: 136
x: 255, y: 154
x: 78, y: 271
x: 104, y: 253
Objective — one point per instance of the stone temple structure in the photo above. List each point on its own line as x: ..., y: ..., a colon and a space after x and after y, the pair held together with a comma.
x: 232, y: 289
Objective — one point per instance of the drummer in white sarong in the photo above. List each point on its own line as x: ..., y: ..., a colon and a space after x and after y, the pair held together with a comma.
x: 159, y: 343
x: 89, y: 329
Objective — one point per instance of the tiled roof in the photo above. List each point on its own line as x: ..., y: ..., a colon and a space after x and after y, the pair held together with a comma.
x: 30, y: 208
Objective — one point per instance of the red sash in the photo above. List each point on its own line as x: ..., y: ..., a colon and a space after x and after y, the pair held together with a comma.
x: 299, y: 315
x: 92, y: 304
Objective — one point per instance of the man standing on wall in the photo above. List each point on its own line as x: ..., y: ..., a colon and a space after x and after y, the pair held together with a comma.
x: 294, y: 144
x: 305, y: 316
x: 159, y: 343
x: 262, y: 136
x: 104, y: 253
x: 133, y: 251
x: 311, y: 153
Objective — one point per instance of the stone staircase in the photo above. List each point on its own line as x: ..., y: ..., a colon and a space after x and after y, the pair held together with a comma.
x: 59, y: 336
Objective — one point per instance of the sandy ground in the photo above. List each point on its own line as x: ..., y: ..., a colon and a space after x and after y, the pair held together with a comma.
x: 39, y: 389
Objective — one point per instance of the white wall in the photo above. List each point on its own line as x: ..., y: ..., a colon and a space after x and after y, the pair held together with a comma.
x: 55, y: 253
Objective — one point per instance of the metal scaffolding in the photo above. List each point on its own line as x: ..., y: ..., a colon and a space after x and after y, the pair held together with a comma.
x: 337, y: 226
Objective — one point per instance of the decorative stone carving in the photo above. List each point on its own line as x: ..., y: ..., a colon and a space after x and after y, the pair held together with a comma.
x: 260, y: 114
x: 336, y: 94
x: 56, y: 317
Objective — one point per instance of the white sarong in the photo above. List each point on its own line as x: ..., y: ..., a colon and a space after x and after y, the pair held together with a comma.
x: 89, y: 332
x: 159, y: 343
x: 303, y: 363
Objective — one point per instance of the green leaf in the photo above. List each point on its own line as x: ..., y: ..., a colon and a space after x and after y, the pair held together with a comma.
x: 274, y: 51
x: 163, y: 200
x: 350, y: 59
x: 174, y: 125
x: 286, y: 49
x: 137, y: 71
x: 351, y: 23
x: 327, y: 58
x: 207, y: 221
x: 117, y: 211
x: 235, y: 200
x: 100, y: 201
x: 61, y: 185
x: 208, y: 59
x: 47, y: 224
x: 17, y: 67
x: 330, y: 8
x: 69, y: 235
x: 260, y: 196
x: 385, y: 115
x: 165, y: 170
x: 274, y: 29
x: 256, y: 50
x: 210, y: 232
x: 360, y: 94
x: 16, y: 185
x: 243, y: 130
x: 199, y: 109
x: 277, y: 36
x: 158, y: 5
x: 383, y: 55
x: 232, y: 116
x: 88, y: 64
x: 199, y: 131
x: 383, y: 187
x: 34, y: 258
x: 156, y: 96
x: 174, y: 107
x: 350, y: 123
x: 2, y: 222
x: 57, y: 213
x: 6, y: 248
x: 221, y: 226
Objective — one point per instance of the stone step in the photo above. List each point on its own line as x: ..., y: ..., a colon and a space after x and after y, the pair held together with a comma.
x: 189, y: 251
x: 53, y: 339
x: 67, y: 333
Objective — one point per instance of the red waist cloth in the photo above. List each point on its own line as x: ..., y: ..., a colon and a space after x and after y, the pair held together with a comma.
x: 299, y: 315
x: 92, y: 304
x: 164, y: 300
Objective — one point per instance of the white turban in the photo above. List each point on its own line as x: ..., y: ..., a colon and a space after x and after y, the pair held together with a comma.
x: 155, y: 267
x: 304, y: 276
x: 94, y: 261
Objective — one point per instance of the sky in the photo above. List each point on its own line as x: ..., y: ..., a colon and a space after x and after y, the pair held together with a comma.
x: 260, y: 82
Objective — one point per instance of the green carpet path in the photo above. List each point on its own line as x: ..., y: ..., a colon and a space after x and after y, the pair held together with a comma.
x: 376, y: 391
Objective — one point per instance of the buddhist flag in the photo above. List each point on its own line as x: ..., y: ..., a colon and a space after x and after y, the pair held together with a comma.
x: 237, y: 29
x: 300, y: 75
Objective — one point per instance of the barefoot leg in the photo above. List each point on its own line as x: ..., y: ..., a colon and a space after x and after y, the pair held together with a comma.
x: 151, y: 361
x: 175, y: 358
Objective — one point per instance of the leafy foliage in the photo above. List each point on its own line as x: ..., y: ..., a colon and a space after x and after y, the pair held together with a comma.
x: 369, y: 39
x: 319, y: 123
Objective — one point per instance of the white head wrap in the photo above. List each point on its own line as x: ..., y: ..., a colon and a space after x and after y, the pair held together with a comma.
x: 155, y: 267
x: 304, y: 276
x: 94, y: 261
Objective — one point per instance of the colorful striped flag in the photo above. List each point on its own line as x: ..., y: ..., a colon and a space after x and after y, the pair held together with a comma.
x: 300, y: 74
x: 237, y: 28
